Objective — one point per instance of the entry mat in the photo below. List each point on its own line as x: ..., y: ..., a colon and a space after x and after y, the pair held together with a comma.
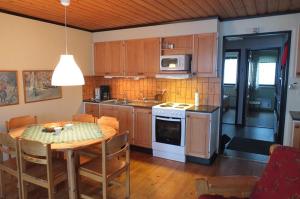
x: 250, y: 145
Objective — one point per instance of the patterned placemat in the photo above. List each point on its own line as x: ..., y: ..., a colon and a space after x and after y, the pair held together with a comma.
x: 78, y: 132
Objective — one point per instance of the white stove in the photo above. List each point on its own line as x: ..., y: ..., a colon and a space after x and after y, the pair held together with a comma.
x: 168, y: 130
x: 171, y: 109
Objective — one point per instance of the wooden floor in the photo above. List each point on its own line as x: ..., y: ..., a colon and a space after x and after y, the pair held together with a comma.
x: 157, y: 178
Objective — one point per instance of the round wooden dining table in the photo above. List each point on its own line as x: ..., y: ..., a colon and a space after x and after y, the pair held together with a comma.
x: 69, y: 148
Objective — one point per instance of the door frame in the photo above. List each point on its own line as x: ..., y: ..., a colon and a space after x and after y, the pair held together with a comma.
x: 247, y: 76
x: 285, y: 86
x: 237, y: 80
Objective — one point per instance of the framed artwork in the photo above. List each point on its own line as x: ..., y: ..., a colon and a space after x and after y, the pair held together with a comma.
x: 37, y: 86
x: 9, y: 94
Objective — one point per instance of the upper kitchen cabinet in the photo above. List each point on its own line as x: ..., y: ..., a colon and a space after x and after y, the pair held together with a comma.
x: 178, y: 45
x: 109, y: 58
x: 142, y: 57
x: 99, y: 58
x: 151, y: 56
x: 205, y: 55
x: 134, y: 59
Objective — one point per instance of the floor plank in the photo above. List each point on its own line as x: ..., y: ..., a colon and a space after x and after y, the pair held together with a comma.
x: 153, y: 177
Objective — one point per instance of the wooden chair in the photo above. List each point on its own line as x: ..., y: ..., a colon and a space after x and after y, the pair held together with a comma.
x: 9, y: 146
x: 84, y: 118
x: 21, y: 121
x: 95, y: 150
x: 115, y: 161
x: 109, y: 121
x: 44, y: 170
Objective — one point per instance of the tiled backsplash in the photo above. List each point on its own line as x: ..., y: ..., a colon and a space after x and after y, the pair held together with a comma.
x: 176, y: 90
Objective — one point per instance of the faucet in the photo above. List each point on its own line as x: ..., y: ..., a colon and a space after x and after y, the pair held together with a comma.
x: 142, y: 96
x: 125, y: 96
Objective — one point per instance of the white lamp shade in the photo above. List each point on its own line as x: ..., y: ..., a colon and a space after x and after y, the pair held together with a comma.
x: 67, y: 72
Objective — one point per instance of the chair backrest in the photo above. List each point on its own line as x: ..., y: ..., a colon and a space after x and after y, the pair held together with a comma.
x: 35, y: 152
x: 84, y: 118
x: 8, y: 145
x: 109, y: 121
x: 21, y: 121
x: 117, y: 145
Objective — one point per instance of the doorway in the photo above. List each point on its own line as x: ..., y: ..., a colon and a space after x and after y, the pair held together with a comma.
x: 254, y: 93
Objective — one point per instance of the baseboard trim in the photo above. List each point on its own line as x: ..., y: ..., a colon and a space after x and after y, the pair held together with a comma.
x: 201, y: 160
x: 141, y: 149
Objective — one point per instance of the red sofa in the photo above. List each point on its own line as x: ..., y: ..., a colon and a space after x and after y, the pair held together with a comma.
x: 280, y: 179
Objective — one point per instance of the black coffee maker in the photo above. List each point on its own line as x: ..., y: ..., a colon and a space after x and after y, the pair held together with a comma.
x: 104, y: 92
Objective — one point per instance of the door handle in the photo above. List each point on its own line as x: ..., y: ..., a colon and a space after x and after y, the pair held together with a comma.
x: 293, y: 85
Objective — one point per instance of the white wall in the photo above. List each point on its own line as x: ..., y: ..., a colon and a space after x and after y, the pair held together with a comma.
x: 32, y: 45
x: 273, y: 24
x: 183, y: 28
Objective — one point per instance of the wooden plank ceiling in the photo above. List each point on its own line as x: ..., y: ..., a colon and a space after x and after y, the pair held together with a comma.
x: 96, y: 15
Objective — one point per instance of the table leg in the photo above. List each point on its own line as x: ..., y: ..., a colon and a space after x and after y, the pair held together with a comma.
x: 73, y: 194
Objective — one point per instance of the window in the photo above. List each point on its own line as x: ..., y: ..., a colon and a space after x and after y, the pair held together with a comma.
x: 230, y: 70
x: 266, y: 73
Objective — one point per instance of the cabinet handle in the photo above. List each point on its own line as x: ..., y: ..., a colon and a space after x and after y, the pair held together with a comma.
x: 150, y: 113
x: 188, y: 116
x: 297, y: 127
x: 107, y: 73
x: 140, y: 73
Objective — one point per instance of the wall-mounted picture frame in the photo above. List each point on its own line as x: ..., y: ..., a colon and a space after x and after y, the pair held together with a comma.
x: 37, y: 86
x: 9, y: 91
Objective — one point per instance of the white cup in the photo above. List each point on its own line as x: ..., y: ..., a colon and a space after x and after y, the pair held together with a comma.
x: 57, y: 130
x: 68, y: 126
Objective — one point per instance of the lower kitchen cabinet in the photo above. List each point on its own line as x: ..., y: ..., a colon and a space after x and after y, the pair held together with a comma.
x: 91, y: 108
x: 125, y: 117
x: 108, y: 110
x: 142, y: 127
x: 296, y: 135
x: 201, y: 134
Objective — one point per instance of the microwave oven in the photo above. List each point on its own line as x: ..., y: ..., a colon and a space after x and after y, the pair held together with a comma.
x: 175, y: 62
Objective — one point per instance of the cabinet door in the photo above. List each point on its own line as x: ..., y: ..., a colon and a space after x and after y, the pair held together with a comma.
x: 92, y: 109
x: 142, y: 127
x: 152, y: 56
x: 107, y: 110
x: 125, y: 117
x: 114, y: 63
x: 134, y: 59
x: 197, y: 134
x: 99, y: 58
x: 296, y: 135
x: 205, y: 55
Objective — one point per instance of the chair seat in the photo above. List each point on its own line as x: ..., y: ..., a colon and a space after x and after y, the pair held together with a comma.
x: 59, y: 169
x: 95, y: 167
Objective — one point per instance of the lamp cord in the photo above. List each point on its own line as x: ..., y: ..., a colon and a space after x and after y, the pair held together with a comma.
x: 66, y: 36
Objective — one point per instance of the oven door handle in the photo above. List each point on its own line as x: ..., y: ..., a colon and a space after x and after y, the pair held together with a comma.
x: 168, y: 119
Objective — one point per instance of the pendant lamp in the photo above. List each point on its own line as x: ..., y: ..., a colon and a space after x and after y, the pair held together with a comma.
x: 67, y: 72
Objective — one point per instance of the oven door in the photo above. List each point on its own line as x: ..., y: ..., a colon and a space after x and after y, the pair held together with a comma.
x: 168, y: 130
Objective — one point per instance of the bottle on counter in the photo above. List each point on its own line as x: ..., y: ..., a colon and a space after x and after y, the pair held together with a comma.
x: 196, y: 98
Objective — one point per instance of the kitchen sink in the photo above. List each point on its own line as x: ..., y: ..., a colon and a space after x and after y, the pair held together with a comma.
x: 117, y: 102
x: 131, y: 102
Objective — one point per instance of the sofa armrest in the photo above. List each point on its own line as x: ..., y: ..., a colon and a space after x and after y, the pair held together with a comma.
x: 227, y: 186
